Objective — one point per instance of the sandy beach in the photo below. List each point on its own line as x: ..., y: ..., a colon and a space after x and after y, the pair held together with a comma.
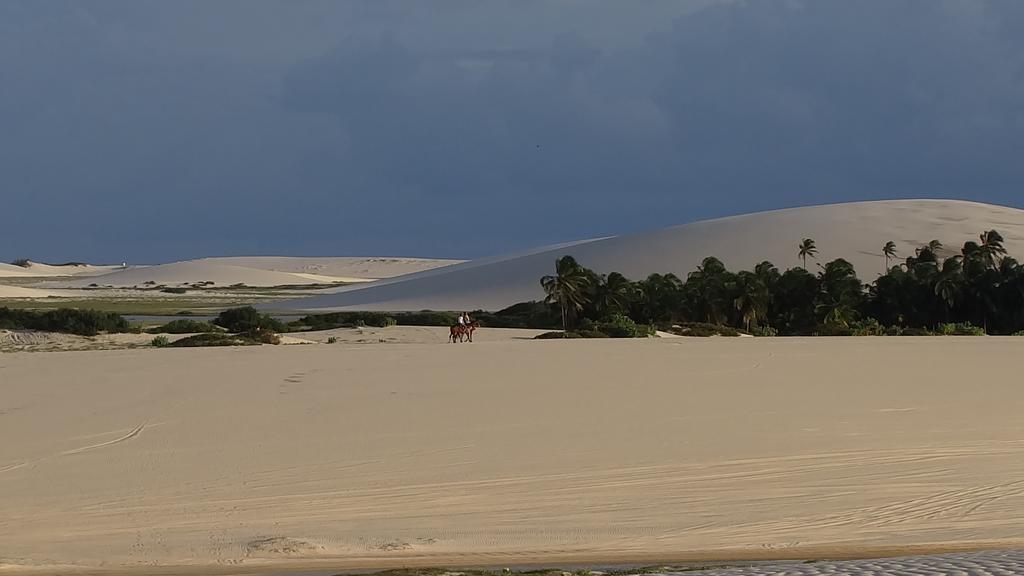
x: 367, y: 454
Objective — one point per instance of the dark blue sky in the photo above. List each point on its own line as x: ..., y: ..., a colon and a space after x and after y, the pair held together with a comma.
x: 153, y: 130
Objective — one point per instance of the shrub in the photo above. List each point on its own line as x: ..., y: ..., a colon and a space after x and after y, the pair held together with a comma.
x: 533, y: 315
x: 557, y: 335
x: 65, y: 320
x: 915, y: 332
x: 345, y: 320
x: 426, y: 318
x: 867, y: 327
x: 184, y: 326
x: 832, y: 329
x: 248, y: 318
x: 592, y: 334
x: 213, y: 339
x: 174, y: 290
x: 160, y: 342
x: 764, y: 331
x: 332, y: 340
x: 703, y: 329
x: 619, y: 326
x: 263, y: 336
x: 960, y: 329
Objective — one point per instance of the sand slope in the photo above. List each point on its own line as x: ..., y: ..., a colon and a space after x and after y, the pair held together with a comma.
x: 22, y: 292
x: 364, y: 268
x: 12, y: 271
x: 510, y: 451
x: 259, y: 271
x: 855, y: 231
x: 36, y: 269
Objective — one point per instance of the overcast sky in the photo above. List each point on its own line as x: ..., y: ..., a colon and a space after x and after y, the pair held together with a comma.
x: 151, y: 131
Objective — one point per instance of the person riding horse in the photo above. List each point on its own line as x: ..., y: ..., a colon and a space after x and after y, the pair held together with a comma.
x: 463, y: 330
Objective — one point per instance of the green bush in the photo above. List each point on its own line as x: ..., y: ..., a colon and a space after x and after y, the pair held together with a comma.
x: 184, y: 326
x: 833, y: 330
x: 263, y: 336
x: 174, y: 290
x: 702, y: 329
x: 248, y: 318
x: 426, y: 318
x: 765, y: 331
x: 960, y: 329
x: 591, y: 334
x: 867, y: 327
x: 620, y: 326
x: 533, y: 315
x: 160, y: 342
x: 65, y: 320
x: 915, y: 332
x: 1019, y: 333
x: 557, y: 335
x: 332, y: 340
x: 213, y: 339
x: 345, y: 320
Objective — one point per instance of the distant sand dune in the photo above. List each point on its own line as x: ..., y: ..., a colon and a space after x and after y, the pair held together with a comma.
x: 855, y: 231
x: 259, y: 271
x: 35, y: 269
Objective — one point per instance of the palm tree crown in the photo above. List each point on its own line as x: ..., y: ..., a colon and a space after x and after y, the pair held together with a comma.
x: 567, y: 287
x: 807, y: 248
x: 889, y: 250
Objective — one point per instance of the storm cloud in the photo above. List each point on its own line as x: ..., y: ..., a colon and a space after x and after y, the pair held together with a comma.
x: 152, y: 131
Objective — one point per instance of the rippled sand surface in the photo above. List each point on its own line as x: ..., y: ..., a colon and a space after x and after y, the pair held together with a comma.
x: 976, y: 564
x: 371, y: 453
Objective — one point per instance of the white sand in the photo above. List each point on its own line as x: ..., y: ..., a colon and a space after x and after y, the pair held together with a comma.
x: 33, y: 293
x: 855, y: 231
x: 258, y: 272
x: 508, y: 451
x: 12, y: 271
x: 38, y: 270
x: 1002, y: 563
x: 361, y: 268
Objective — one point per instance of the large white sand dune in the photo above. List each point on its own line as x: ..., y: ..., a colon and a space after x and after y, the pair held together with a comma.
x: 260, y: 271
x: 855, y: 231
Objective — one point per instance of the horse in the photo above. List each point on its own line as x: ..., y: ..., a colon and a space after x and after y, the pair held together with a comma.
x: 462, y: 332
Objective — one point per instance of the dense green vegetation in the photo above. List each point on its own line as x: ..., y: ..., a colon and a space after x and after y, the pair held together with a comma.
x: 334, y: 320
x: 212, y: 339
x: 977, y: 290
x: 65, y: 320
x: 246, y: 319
x: 184, y: 326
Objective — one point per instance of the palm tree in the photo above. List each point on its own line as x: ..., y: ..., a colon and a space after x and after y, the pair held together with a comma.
x: 807, y: 248
x: 567, y: 287
x: 949, y: 283
x: 991, y: 249
x: 752, y: 299
x: 889, y: 250
x: 613, y: 294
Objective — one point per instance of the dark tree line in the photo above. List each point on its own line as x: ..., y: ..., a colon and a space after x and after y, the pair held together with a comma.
x: 980, y: 286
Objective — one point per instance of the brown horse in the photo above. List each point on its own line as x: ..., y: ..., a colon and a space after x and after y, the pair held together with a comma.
x: 462, y: 332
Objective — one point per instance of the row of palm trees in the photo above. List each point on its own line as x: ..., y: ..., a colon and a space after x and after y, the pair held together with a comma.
x: 980, y: 284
